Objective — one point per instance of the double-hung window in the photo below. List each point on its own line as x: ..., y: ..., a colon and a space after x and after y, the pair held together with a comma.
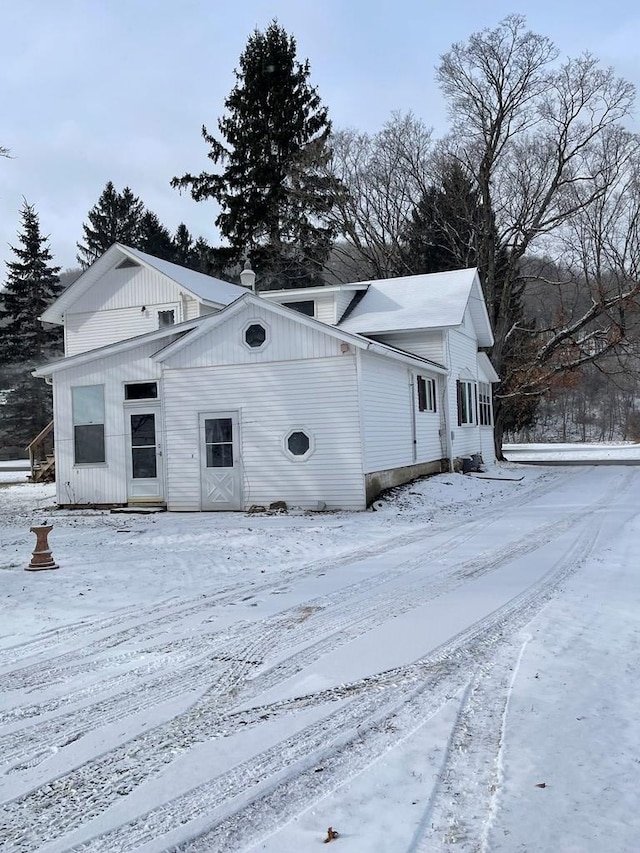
x: 467, y: 403
x: 426, y: 394
x: 87, y: 403
x: 484, y: 403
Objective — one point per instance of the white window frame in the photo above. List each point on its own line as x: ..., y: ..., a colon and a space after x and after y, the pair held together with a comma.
x: 427, y: 397
x: 80, y: 420
x: 485, y: 409
x: 467, y: 402
x: 285, y: 444
x: 257, y: 321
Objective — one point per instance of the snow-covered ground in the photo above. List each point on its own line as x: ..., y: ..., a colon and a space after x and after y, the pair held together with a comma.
x: 567, y: 453
x: 456, y: 670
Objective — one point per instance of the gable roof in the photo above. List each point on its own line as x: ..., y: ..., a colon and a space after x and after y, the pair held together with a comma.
x: 487, y: 368
x: 80, y: 358
x: 189, y: 332
x: 211, y: 321
x: 412, y: 303
x: 207, y: 289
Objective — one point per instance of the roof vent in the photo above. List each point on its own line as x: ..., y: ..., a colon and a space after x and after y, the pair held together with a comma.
x: 248, y: 277
x: 123, y: 265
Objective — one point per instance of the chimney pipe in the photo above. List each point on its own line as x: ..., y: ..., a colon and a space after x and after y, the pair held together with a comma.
x: 248, y: 277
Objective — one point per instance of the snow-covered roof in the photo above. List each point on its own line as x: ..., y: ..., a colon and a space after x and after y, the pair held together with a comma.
x: 487, y: 368
x: 206, y: 287
x: 432, y: 301
x: 185, y: 333
x: 210, y: 290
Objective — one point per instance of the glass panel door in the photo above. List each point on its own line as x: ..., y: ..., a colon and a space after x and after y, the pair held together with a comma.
x: 143, y: 446
x: 220, y: 464
x: 218, y: 439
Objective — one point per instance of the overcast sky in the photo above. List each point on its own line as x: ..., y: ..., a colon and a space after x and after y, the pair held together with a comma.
x: 99, y: 90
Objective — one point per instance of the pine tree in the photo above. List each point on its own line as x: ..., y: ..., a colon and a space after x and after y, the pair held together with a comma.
x: 443, y: 230
x: 183, y: 246
x: 32, y: 283
x: 444, y: 235
x: 115, y: 218
x: 154, y: 238
x: 274, y: 190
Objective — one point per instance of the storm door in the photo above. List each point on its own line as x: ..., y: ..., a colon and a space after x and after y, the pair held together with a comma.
x: 144, y: 451
x: 220, y: 480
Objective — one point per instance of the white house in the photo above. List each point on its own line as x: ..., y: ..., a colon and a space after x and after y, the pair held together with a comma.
x: 184, y: 390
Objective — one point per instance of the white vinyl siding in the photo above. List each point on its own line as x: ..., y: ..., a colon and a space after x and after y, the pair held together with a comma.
x: 467, y: 439
x: 286, y: 339
x: 111, y: 310
x: 386, y: 413
x: 326, y: 308
x: 106, y: 483
x: 390, y: 415
x: 428, y: 424
x: 84, y: 332
x: 271, y: 399
x: 428, y: 344
x: 128, y: 288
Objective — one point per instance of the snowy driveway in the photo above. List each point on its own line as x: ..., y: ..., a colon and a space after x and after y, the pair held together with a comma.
x: 408, y: 676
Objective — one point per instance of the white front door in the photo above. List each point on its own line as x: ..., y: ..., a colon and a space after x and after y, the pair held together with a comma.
x: 220, y: 480
x: 144, y: 452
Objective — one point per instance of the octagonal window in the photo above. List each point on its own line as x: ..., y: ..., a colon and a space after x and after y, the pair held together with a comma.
x: 298, y: 443
x: 255, y: 335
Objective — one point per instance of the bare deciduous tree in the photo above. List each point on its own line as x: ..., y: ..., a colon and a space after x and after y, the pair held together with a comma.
x: 383, y: 175
x: 544, y: 143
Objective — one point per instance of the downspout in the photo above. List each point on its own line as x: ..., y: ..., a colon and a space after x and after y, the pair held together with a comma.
x: 358, y: 359
x: 414, y: 429
x: 448, y: 433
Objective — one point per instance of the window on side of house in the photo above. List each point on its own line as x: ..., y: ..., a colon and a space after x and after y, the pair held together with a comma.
x: 166, y: 318
x: 303, y: 306
x: 467, y: 403
x: 87, y: 402
x: 426, y: 394
x: 484, y: 404
x: 141, y: 391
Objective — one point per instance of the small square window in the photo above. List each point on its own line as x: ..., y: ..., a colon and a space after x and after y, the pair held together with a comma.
x: 166, y: 318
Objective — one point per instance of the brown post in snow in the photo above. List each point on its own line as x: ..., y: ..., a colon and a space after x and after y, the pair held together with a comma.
x: 42, y: 557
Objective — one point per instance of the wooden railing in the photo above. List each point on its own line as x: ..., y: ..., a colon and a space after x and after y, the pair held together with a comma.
x: 41, y: 458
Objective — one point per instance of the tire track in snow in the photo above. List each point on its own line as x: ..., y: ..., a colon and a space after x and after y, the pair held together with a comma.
x: 335, y: 619
x: 158, y: 614
x: 271, y: 788
x: 118, y: 776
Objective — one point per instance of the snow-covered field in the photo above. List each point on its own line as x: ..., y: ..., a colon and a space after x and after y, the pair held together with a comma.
x: 456, y: 670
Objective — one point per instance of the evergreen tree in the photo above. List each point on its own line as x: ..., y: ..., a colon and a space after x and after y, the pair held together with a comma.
x: 443, y: 229
x: 183, y: 247
x: 274, y: 190
x: 444, y: 235
x: 31, y: 285
x: 115, y: 218
x: 154, y: 238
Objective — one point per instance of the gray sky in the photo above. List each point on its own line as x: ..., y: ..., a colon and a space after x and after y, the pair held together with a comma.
x: 98, y: 90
